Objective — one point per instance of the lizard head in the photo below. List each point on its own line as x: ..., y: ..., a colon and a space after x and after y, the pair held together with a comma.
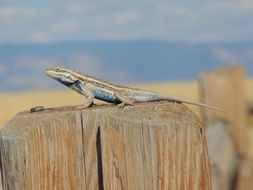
x: 62, y: 74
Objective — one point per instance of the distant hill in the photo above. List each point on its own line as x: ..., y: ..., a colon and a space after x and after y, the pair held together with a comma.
x: 21, y: 66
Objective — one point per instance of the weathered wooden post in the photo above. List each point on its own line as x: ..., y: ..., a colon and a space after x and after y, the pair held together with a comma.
x: 227, y: 139
x: 225, y: 88
x: 148, y: 146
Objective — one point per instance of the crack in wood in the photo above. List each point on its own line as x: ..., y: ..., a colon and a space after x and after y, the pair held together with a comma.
x: 99, y: 161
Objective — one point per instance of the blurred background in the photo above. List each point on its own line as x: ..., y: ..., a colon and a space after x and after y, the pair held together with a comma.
x: 157, y: 45
x: 133, y: 42
x: 122, y: 41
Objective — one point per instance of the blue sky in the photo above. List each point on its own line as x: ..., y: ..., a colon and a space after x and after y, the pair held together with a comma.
x: 184, y: 25
x: 182, y: 20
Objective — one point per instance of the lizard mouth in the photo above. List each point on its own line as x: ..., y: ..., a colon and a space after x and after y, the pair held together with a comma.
x: 67, y: 83
x: 51, y: 72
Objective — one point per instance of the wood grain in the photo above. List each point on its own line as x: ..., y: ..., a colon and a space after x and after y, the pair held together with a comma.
x: 147, y: 146
x: 43, y: 151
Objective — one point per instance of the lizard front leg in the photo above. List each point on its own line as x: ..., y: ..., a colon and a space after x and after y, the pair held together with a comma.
x: 89, y: 98
x: 87, y: 93
x: 88, y: 102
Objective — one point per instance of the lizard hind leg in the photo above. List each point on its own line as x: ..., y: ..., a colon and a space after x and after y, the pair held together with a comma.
x: 124, y: 101
x: 123, y: 104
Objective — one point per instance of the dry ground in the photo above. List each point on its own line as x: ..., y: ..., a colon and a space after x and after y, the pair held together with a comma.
x: 12, y: 103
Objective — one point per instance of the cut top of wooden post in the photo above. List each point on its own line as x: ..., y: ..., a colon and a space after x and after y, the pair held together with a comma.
x: 147, y: 146
x: 225, y: 88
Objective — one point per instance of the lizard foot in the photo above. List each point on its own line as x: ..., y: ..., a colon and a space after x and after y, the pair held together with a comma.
x: 123, y: 104
x: 84, y: 106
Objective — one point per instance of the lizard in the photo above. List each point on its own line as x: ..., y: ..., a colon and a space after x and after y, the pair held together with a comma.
x: 93, y: 88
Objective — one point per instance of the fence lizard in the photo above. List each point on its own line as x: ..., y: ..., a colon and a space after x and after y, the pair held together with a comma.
x: 92, y: 88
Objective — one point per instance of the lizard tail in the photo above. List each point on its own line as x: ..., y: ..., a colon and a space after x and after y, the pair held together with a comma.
x: 184, y: 100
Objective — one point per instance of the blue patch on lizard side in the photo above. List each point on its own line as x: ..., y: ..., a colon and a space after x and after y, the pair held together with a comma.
x: 106, y: 98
